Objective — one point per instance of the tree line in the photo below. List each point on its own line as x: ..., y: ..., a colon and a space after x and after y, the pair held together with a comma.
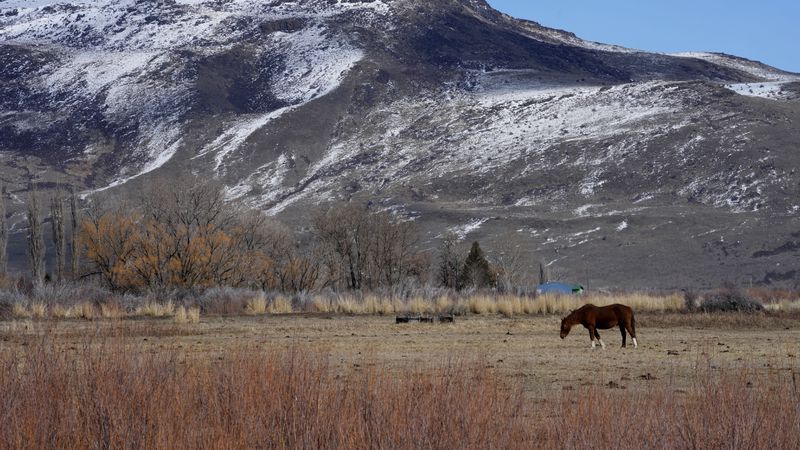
x: 187, y: 235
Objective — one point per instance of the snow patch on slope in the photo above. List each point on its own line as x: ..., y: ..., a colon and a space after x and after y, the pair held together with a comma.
x: 498, y: 125
x: 314, y: 64
x: 265, y: 183
x: 772, y: 90
x: 462, y: 231
x: 753, y: 68
x: 237, y: 134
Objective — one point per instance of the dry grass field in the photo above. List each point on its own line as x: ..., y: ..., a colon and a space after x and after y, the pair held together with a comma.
x: 696, y: 380
x: 671, y: 346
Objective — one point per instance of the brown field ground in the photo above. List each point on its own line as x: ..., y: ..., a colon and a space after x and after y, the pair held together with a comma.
x: 672, y: 347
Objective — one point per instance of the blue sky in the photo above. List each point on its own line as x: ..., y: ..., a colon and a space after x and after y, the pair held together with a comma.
x: 768, y: 30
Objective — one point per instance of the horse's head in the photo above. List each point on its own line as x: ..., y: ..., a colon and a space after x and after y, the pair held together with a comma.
x: 565, y: 327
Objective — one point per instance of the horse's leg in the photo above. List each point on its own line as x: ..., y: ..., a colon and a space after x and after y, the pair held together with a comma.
x: 597, y: 335
x: 624, y: 335
x: 631, y: 325
x: 592, y: 332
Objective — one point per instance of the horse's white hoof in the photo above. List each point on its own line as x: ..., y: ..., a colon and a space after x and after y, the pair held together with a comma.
x: 635, y: 345
x: 602, y: 344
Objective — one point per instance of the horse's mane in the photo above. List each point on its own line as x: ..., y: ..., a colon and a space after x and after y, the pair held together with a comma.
x: 571, y: 316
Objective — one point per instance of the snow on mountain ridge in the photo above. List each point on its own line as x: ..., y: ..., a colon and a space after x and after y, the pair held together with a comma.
x: 115, y: 51
x: 754, y: 68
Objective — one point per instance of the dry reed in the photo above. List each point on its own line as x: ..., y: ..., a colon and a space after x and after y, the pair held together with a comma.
x: 280, y: 305
x: 112, y: 395
x: 256, y: 305
x: 155, y: 309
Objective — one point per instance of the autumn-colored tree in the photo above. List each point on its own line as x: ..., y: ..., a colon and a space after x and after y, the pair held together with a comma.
x: 109, y: 240
x: 186, y: 235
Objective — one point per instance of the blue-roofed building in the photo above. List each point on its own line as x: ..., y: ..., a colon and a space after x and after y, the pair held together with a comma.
x: 555, y: 287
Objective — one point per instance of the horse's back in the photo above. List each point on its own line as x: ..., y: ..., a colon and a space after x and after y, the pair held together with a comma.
x: 622, y: 308
x: 609, y: 314
x: 623, y: 313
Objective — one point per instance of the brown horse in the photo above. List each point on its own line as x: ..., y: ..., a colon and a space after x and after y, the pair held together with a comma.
x: 601, y: 318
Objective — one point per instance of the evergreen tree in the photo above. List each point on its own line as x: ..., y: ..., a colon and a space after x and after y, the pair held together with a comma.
x: 476, y: 272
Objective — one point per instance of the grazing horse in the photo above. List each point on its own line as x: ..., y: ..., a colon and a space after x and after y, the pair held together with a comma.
x: 602, y: 318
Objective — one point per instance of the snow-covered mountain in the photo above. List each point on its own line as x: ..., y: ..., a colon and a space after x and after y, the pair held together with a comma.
x: 619, y: 166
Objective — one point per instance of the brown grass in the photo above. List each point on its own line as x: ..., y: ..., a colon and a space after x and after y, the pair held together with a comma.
x: 734, y: 409
x: 111, y: 395
x: 156, y: 309
x: 256, y: 303
x: 698, y: 381
x: 722, y: 320
x: 186, y: 315
x: 280, y: 305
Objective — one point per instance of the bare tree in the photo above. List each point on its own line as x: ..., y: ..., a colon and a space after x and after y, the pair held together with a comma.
x: 36, y: 249
x: 450, y: 258
x: 284, y: 265
x: 59, y: 238
x: 3, y: 233
x: 394, y: 249
x: 544, y: 273
x: 368, y: 249
x: 343, y: 230
x: 509, y: 262
x: 75, y: 252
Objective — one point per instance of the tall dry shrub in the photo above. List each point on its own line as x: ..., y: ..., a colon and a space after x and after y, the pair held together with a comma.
x: 113, y: 396
x: 113, y: 393
x: 731, y: 409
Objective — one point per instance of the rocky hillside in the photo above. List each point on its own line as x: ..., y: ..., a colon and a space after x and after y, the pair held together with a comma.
x: 617, y: 167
